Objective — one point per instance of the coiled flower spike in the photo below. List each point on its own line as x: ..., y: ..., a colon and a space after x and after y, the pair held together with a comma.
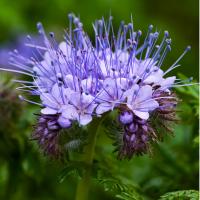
x: 78, y: 80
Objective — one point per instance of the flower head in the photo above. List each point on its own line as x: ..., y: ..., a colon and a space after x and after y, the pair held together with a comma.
x: 78, y: 80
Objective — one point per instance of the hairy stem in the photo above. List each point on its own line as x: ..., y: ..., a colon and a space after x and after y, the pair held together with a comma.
x: 84, y: 184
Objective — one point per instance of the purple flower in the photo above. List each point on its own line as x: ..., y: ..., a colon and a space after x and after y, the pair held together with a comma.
x: 20, y: 45
x: 140, y: 100
x: 47, y: 134
x: 80, y: 109
x: 54, y: 100
x: 110, y: 96
x: 78, y: 80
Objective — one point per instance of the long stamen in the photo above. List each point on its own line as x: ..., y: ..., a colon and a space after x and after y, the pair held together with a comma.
x: 188, y: 48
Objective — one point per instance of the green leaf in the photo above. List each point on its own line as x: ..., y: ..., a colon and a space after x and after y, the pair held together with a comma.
x: 182, y: 195
x: 74, y: 168
x: 196, y: 140
x: 121, y: 187
x: 73, y: 145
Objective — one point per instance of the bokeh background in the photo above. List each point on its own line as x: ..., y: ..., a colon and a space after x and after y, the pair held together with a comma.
x: 26, y: 174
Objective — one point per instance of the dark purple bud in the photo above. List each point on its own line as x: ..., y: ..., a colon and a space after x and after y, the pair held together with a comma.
x: 150, y: 27
x: 133, y: 127
x: 47, y: 135
x: 53, y: 127
x: 145, y: 128
x: 46, y: 132
x: 127, y: 137
x: 126, y: 117
x: 76, y: 20
x: 144, y: 138
x: 42, y: 120
x: 133, y: 136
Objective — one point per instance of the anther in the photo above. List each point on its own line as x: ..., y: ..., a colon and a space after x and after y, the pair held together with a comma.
x: 130, y: 26
x: 168, y: 47
x: 147, y: 70
x: 111, y: 18
x: 39, y: 25
x: 80, y: 25
x: 156, y: 34
x: 134, y: 77
x: 60, y: 84
x: 70, y: 16
x: 188, y: 48
x: 150, y: 27
x: 51, y: 34
x: 28, y: 37
x: 139, y: 33
x: 122, y: 23
x: 100, y: 22
x: 21, y: 97
x: 168, y: 41
x: 166, y: 33
x: 76, y: 20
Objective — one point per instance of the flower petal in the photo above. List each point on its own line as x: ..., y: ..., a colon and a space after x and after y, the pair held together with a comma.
x: 103, y: 96
x: 110, y: 86
x: 154, y: 77
x: 56, y: 93
x: 69, y: 112
x: 86, y: 99
x: 103, y: 107
x: 103, y: 68
x: 85, y: 119
x: 130, y: 93
x: 168, y: 82
x: 142, y: 115
x: 49, y: 101
x: 48, y: 111
x: 63, y: 122
x: 71, y: 82
x: 148, y: 105
x: 144, y: 93
x: 87, y: 84
x: 91, y: 108
x: 75, y: 99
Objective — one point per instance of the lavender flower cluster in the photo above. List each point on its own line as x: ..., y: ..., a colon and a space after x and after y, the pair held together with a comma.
x: 79, y: 80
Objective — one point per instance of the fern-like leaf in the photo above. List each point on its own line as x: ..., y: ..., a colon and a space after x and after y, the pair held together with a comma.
x: 74, y: 168
x: 121, y: 190
x: 182, y: 195
x: 73, y: 145
x: 121, y: 187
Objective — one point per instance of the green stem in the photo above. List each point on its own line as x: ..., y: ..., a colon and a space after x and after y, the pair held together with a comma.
x: 84, y: 184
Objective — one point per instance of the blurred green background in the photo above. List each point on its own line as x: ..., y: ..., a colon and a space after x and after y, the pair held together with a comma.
x: 26, y: 174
